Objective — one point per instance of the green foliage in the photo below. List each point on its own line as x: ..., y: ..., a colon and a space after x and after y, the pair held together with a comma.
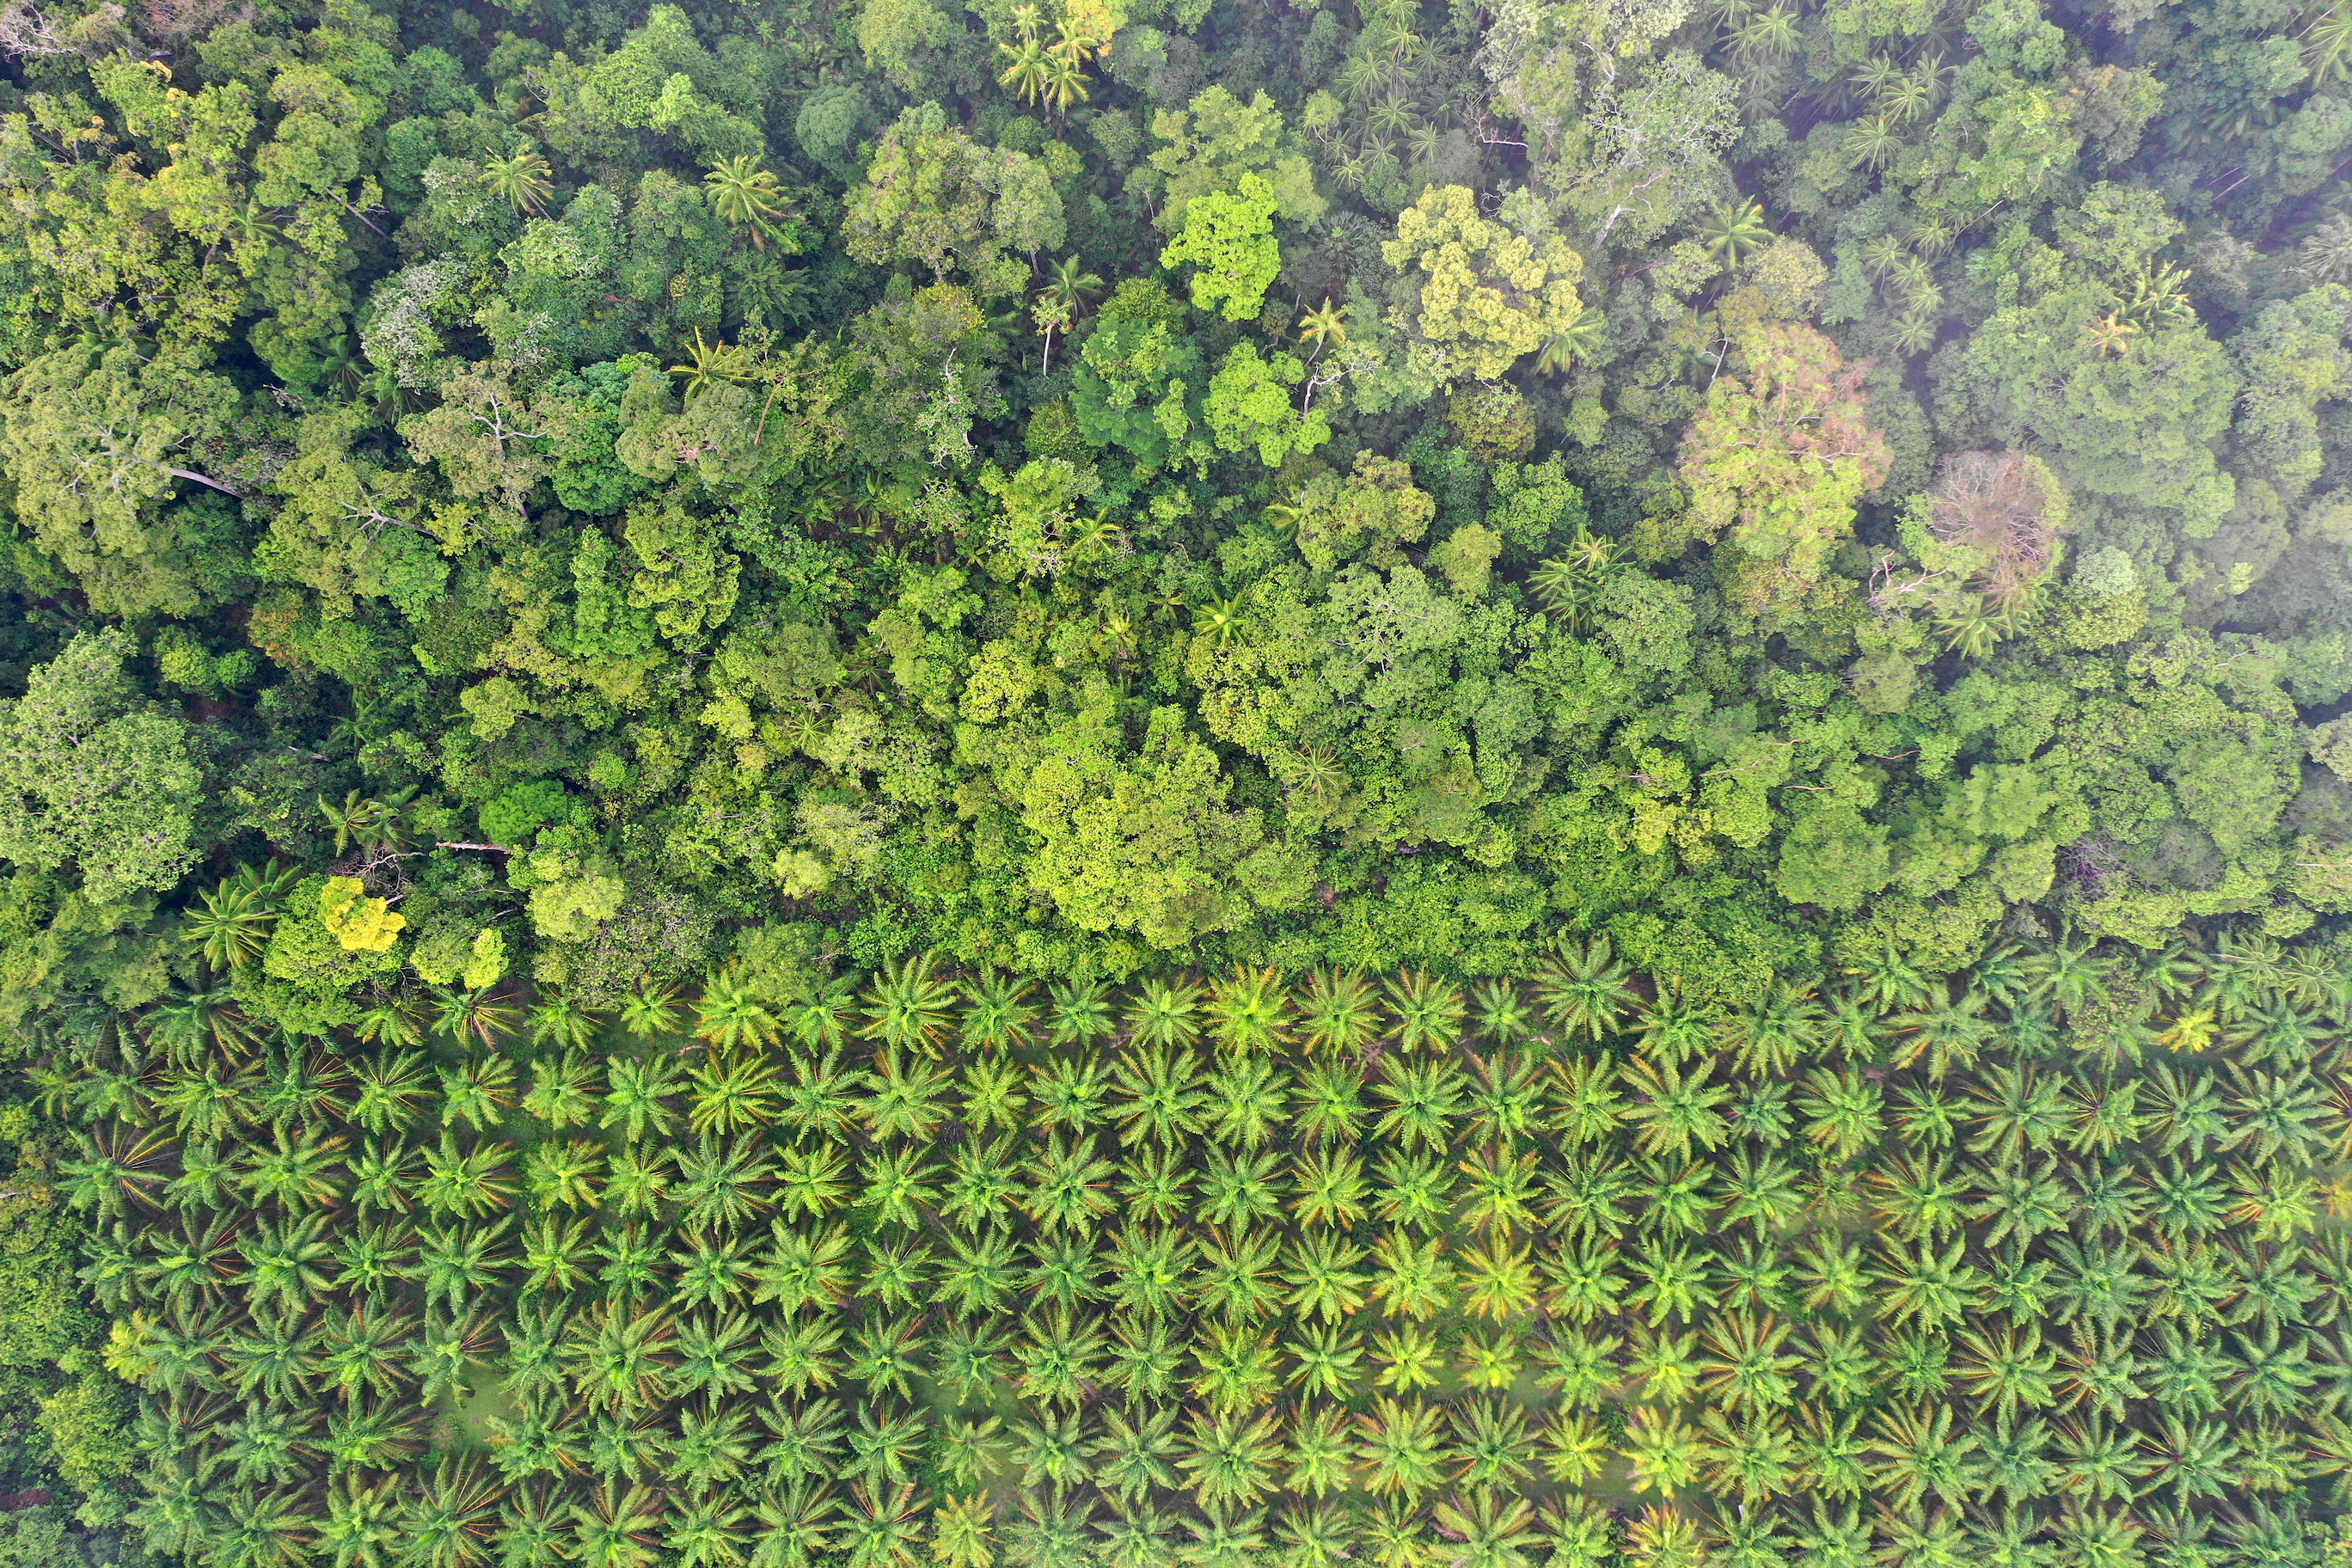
x: 1548, y: 872
x: 1248, y: 407
x: 1228, y: 240
x: 94, y: 780
x: 99, y: 445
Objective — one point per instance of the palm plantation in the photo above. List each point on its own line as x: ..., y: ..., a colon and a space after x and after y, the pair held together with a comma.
x: 931, y: 1268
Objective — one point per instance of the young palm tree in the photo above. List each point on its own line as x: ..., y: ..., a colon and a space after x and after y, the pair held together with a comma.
x: 1401, y: 1448
x: 1165, y: 1014
x: 559, y: 1021
x: 1328, y: 1188
x: 476, y: 1092
x: 118, y: 1167
x: 1498, y: 1280
x: 1502, y: 1012
x: 564, y: 1091
x: 466, y: 1182
x: 1237, y: 1277
x: 1424, y: 1100
x: 1429, y: 1011
x: 453, y: 1263
x: 1339, y: 1014
x: 730, y: 1095
x: 207, y: 1100
x: 1159, y: 1095
x: 992, y: 1100
x: 1077, y: 1011
x: 392, y: 1092
x: 1781, y: 1030
x: 1250, y: 1011
x: 462, y: 1014
x: 1244, y: 1100
x: 1947, y: 1032
x: 730, y: 1017
x: 1584, y: 989
x: 1498, y: 1189
x: 650, y: 1012
x: 907, y: 1099
x: 190, y: 1026
x: 997, y: 1015
x: 1238, y: 1187
x: 1070, y: 1092
x: 1069, y: 1186
x: 722, y: 1184
x: 616, y: 1528
x: 1324, y: 1279
x: 292, y: 1173
x: 1328, y: 1103
x: 1231, y: 1459
x: 910, y: 1007
x: 1678, y: 1027
x: 1057, y: 1356
x: 962, y: 1532
x: 1673, y: 1111
x: 636, y: 1096
x: 1137, y: 1451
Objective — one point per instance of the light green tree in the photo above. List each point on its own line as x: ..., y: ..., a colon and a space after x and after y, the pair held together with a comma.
x: 1209, y: 144
x: 1228, y: 240
x: 1149, y: 844
x: 1249, y: 405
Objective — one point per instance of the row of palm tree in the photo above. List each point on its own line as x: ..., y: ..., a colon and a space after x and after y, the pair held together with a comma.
x: 2247, y: 990
x: 949, y: 1268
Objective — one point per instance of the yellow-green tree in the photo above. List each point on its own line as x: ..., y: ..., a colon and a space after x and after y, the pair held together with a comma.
x: 1776, y: 459
x: 1486, y: 295
x: 360, y: 924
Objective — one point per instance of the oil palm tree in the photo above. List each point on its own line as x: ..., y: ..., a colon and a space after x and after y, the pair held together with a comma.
x: 909, y: 1006
x: 997, y: 1013
x: 1159, y: 1095
x: 1401, y: 1449
x: 1673, y: 1111
x: 1077, y: 1010
x: 1429, y: 1011
x: 731, y: 1096
x: 1165, y: 1013
x: 476, y: 1014
x: 1250, y: 1010
x: 1423, y: 1099
x: 1584, y: 989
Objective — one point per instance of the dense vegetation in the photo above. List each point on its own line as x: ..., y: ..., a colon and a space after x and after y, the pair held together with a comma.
x: 868, y: 782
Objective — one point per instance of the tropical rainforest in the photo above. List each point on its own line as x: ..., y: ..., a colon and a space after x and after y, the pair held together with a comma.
x: 1235, y: 784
